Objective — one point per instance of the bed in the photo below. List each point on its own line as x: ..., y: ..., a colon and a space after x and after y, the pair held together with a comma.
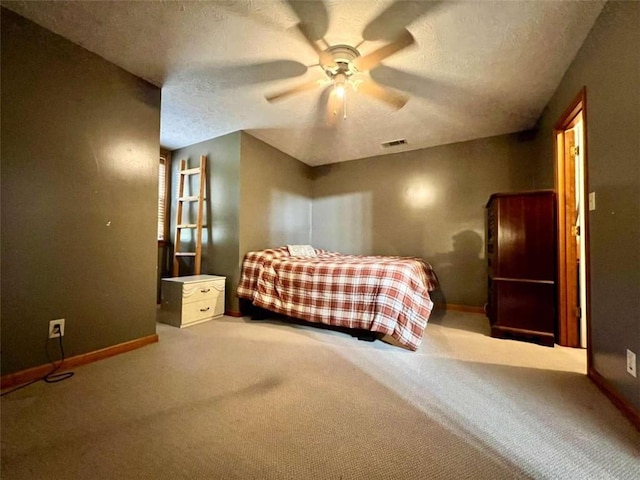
x: 386, y: 295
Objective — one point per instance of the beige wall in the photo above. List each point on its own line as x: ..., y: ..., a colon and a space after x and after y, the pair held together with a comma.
x: 608, y: 64
x: 427, y: 203
x: 275, y: 197
x: 79, y: 197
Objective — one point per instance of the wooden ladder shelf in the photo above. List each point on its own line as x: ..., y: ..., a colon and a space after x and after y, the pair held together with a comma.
x: 185, y: 173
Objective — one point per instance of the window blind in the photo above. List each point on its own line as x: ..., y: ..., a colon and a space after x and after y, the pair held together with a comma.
x: 162, y: 198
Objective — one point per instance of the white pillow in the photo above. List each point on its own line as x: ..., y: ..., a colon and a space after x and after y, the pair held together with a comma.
x: 301, y: 251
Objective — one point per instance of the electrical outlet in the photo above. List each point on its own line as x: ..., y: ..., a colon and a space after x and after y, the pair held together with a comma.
x: 592, y: 200
x: 631, y: 363
x: 56, y: 328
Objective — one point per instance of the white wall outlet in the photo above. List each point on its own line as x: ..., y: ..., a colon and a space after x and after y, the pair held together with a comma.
x: 56, y: 328
x: 631, y: 363
x: 592, y: 200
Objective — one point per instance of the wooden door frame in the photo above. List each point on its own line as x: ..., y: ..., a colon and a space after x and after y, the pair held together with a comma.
x: 568, y: 120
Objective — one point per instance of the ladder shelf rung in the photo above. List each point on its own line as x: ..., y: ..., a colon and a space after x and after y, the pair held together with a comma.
x: 188, y: 225
x: 185, y: 254
x: 189, y: 199
x: 190, y: 171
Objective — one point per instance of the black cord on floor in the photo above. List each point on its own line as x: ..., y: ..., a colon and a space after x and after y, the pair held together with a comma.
x: 50, y: 377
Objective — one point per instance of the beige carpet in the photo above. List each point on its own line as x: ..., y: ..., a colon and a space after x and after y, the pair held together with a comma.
x: 239, y: 399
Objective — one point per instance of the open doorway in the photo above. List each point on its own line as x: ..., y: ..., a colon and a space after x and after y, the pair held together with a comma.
x: 573, y: 241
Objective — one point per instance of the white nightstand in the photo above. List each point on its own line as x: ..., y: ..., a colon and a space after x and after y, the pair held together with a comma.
x: 191, y: 300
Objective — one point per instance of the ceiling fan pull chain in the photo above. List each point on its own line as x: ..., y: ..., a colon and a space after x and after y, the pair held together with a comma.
x: 344, y: 105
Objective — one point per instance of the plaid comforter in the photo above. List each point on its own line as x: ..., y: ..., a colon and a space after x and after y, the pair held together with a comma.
x: 389, y: 295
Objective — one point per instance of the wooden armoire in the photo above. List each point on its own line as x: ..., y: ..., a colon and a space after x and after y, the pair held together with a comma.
x: 521, y: 256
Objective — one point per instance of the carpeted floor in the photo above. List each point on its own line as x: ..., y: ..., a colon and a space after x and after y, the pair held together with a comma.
x: 241, y: 399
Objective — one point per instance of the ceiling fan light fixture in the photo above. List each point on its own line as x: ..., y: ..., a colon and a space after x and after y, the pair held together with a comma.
x: 340, y: 91
x: 339, y: 70
x: 339, y: 85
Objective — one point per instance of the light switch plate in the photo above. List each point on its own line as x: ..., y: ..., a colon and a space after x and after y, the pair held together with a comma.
x: 592, y: 200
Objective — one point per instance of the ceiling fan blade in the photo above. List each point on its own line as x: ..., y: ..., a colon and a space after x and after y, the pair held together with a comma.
x: 303, y: 87
x: 432, y: 89
x: 444, y: 93
x: 371, y: 88
x: 395, y: 18
x: 373, y: 59
x: 324, y: 58
x: 314, y: 15
x: 229, y: 76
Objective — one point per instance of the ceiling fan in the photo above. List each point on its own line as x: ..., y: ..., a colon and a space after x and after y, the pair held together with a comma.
x: 344, y: 66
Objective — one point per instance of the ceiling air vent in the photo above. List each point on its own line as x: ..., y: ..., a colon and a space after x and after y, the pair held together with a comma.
x: 394, y: 143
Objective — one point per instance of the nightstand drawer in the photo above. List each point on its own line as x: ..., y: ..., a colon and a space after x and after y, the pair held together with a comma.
x: 197, y: 292
x: 192, y: 312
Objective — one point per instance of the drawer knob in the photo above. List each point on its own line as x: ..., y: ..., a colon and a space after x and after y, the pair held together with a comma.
x: 205, y: 290
x: 204, y: 309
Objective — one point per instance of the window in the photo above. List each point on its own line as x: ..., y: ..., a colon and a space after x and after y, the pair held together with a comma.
x: 163, y: 205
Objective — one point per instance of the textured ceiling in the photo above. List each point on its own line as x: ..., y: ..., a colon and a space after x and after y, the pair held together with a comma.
x: 476, y: 69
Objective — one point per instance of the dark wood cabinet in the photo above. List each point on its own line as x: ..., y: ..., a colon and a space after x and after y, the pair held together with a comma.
x: 521, y: 262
